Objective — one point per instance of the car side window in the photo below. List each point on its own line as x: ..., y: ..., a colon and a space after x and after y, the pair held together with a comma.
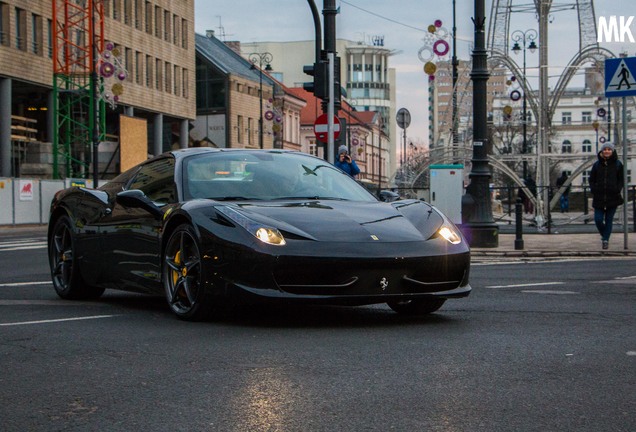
x: 156, y: 180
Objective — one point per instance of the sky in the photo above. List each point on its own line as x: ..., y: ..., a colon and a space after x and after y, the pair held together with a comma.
x: 404, y: 25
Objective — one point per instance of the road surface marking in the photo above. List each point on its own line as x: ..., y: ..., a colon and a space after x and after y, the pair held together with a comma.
x: 56, y: 320
x: 14, y: 284
x: 525, y: 285
x: 548, y: 292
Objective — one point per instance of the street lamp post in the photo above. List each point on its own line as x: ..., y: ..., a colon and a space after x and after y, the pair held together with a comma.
x: 526, y: 38
x: 261, y: 59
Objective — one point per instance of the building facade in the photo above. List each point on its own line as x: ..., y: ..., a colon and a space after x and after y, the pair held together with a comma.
x: 233, y: 94
x: 154, y: 41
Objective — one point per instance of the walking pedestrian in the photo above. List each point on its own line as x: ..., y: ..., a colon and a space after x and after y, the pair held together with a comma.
x: 606, y: 184
x: 565, y: 196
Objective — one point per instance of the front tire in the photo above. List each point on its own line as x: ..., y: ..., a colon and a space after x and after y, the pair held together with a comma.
x: 417, y: 307
x: 183, y: 276
x: 64, y: 263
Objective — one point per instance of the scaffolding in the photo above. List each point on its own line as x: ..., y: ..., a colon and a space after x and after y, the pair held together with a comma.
x: 79, y: 114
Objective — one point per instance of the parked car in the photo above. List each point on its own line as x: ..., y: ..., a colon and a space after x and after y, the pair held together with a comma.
x: 209, y: 227
x: 382, y: 194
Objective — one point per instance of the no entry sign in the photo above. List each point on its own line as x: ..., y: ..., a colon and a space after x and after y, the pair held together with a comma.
x: 321, y: 128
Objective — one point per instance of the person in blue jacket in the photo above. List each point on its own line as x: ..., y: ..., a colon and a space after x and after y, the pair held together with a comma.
x: 345, y: 163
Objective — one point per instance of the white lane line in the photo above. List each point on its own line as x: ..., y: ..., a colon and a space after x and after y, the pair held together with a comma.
x: 525, y: 285
x: 14, y: 284
x: 56, y: 320
x: 22, y: 248
x: 548, y: 292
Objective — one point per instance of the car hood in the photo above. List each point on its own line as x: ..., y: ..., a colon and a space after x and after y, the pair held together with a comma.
x: 333, y: 220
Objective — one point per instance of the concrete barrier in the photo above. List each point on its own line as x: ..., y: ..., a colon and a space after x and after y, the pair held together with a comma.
x: 26, y: 201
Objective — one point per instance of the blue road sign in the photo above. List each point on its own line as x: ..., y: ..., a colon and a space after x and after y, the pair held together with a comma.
x: 620, y: 77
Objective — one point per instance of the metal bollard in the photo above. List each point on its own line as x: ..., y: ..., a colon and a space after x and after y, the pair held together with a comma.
x: 519, y: 226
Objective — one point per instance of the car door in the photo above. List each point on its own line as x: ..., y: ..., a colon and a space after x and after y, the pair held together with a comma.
x: 132, y: 235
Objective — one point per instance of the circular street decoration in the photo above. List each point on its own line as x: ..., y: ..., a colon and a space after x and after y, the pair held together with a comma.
x: 602, y: 140
x: 276, y: 128
x: 438, y: 23
x: 430, y: 68
x: 355, y: 141
x: 507, y: 110
x: 110, y: 46
x: 269, y: 115
x: 444, y: 47
x: 595, y: 125
x: 117, y: 89
x: 442, y: 32
x: 121, y: 76
x: 360, y: 150
x: 107, y: 69
x: 515, y: 95
x: 431, y: 78
x: 431, y: 28
x: 425, y: 54
x: 601, y: 112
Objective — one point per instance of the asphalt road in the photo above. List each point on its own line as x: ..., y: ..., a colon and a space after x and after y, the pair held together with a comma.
x: 536, y: 347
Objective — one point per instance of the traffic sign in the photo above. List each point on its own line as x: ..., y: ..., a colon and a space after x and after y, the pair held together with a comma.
x: 321, y: 128
x: 403, y: 118
x: 620, y: 78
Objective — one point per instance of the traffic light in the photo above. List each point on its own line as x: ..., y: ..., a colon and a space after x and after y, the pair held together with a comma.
x: 320, y: 73
x: 337, y: 94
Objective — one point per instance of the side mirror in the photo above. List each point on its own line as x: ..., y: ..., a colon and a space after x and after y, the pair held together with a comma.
x: 137, y: 199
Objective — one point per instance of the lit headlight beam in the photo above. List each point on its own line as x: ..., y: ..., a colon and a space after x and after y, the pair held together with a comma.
x: 264, y: 233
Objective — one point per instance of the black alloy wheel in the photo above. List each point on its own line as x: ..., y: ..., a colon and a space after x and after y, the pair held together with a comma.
x: 65, y: 270
x: 417, y: 307
x: 182, y: 275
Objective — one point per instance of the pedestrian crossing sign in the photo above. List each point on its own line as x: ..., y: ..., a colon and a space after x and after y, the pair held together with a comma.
x: 620, y: 77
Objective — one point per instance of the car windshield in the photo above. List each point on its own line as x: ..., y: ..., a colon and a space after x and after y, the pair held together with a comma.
x: 267, y: 175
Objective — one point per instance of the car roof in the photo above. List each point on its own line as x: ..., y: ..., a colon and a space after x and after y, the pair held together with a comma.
x: 181, y: 153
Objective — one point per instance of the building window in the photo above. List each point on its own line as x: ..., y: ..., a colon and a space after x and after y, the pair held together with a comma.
x: 49, y: 36
x: 239, y: 125
x: 184, y: 34
x: 586, y: 117
x: 128, y: 12
x: 587, y: 146
x: 585, y: 177
x: 166, y: 26
x: 566, y: 147
x: 20, y: 29
x: 157, y: 21
x: 158, y: 74
x: 128, y: 58
x: 175, y: 29
x: 116, y: 9
x: 149, y: 71
x: 185, y: 87
x: 4, y: 24
x: 250, y: 131
x: 168, y: 77
x: 36, y: 34
x: 175, y: 80
x: 139, y: 58
x: 566, y: 118
x: 148, y: 17
x: 139, y: 13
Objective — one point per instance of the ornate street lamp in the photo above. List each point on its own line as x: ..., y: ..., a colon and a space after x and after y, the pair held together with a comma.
x: 260, y: 59
x: 523, y: 40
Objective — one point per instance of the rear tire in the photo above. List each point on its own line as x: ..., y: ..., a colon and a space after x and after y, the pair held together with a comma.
x: 65, y: 267
x: 417, y: 307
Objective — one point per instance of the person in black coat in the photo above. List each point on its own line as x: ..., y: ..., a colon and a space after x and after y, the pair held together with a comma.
x: 606, y: 184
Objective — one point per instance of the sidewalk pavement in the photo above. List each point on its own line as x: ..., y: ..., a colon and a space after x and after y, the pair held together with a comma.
x: 535, y: 245
x: 559, y: 245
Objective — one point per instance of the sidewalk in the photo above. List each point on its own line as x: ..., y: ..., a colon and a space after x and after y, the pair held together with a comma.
x: 559, y: 245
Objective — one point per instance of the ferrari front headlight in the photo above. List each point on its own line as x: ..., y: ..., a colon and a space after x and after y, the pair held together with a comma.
x: 264, y: 233
x: 450, y: 234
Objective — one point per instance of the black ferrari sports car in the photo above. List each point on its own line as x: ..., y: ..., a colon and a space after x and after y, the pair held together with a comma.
x: 209, y: 227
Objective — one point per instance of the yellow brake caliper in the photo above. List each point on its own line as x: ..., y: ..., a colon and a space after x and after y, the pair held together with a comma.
x: 175, y: 274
